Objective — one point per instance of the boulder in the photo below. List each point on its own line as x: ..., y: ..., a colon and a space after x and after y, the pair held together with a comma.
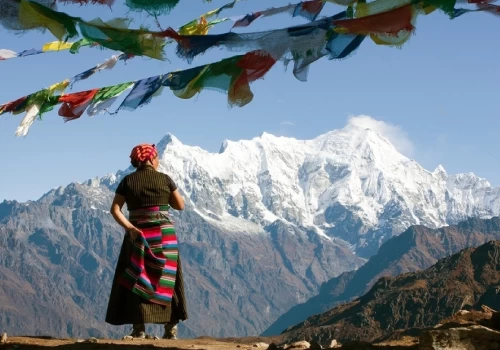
x: 462, y: 338
x: 299, y: 345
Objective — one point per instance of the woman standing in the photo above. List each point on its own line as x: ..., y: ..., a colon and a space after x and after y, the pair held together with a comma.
x: 148, y: 285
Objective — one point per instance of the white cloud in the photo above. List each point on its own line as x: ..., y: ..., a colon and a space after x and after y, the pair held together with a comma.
x: 47, y: 224
x: 287, y: 122
x: 393, y: 133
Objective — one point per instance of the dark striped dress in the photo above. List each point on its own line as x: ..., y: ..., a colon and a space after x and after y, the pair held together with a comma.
x: 146, y: 187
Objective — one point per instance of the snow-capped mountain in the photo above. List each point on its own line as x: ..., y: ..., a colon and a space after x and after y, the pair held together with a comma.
x: 267, y: 221
x: 349, y: 185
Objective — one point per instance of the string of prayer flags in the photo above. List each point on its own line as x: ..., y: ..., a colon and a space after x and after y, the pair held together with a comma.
x: 53, y: 46
x: 386, y: 22
x: 232, y: 76
x: 113, y: 34
x: 44, y: 100
x: 199, y: 26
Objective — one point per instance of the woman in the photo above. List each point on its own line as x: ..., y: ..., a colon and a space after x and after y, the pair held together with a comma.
x: 148, y: 284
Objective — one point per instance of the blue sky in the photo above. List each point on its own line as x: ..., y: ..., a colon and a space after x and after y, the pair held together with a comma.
x: 437, y: 95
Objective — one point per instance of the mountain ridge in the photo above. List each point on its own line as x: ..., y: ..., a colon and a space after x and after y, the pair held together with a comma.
x: 412, y: 300
x: 415, y: 249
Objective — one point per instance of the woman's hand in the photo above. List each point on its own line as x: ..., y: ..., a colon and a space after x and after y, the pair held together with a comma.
x: 116, y: 211
x: 134, y: 232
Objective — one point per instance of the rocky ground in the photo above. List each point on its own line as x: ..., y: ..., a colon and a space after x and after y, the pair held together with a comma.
x: 29, y: 343
x: 476, y: 329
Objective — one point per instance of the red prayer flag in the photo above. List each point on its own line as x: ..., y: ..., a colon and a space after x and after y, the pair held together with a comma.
x: 390, y: 22
x: 73, y: 105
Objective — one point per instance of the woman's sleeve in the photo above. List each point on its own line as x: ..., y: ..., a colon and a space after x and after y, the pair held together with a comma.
x: 171, y: 184
x: 121, y: 189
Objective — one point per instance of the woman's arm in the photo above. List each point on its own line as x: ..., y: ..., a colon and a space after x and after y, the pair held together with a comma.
x: 176, y: 201
x: 116, y: 211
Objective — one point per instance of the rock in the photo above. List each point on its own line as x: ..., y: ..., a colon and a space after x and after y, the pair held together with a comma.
x: 299, y: 345
x: 463, y: 338
x: 128, y: 337
x: 315, y: 345
x: 463, y: 312
x: 156, y: 337
x: 487, y: 309
x: 334, y: 344
x: 261, y: 345
x: 3, y: 340
x: 92, y: 340
x: 273, y: 346
x: 80, y: 341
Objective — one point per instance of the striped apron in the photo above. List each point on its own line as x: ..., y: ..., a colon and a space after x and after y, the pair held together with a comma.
x: 153, y: 263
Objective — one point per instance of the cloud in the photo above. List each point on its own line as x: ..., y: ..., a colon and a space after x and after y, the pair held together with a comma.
x: 47, y: 224
x: 393, y: 133
x: 287, y: 122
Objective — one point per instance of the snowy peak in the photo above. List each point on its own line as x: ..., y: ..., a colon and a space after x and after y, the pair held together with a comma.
x: 168, y: 139
x: 351, y: 184
x: 440, y: 172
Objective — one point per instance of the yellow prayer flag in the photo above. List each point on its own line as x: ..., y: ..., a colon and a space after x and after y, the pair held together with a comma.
x: 56, y: 46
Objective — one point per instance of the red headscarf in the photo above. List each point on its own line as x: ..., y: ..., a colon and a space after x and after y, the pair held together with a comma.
x: 143, y: 153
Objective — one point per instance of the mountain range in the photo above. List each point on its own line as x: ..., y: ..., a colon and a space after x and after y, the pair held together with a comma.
x: 267, y: 222
x: 417, y: 248
x: 467, y: 280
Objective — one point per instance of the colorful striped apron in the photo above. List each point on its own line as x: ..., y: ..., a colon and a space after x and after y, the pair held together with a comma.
x: 153, y: 264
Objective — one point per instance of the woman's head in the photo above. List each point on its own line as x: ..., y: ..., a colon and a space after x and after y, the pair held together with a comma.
x: 144, y: 154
